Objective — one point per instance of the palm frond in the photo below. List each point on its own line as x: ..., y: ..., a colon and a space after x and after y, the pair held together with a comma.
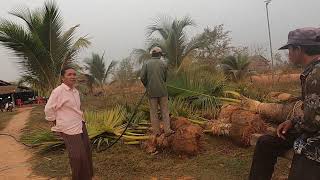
x: 110, y: 69
x: 141, y: 55
x: 40, y: 44
x: 236, y: 66
x: 173, y: 39
x: 160, y: 25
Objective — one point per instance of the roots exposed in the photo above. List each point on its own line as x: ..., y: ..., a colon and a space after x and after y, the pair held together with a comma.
x: 241, y: 121
x: 187, y: 139
x: 238, y: 124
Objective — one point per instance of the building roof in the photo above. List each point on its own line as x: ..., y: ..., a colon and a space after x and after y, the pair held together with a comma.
x: 4, y: 83
x: 258, y: 58
x: 8, y: 89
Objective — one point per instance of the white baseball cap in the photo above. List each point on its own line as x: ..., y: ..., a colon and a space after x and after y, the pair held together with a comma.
x: 156, y: 50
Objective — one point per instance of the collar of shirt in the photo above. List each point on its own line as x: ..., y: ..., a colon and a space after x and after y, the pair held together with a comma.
x: 68, y: 88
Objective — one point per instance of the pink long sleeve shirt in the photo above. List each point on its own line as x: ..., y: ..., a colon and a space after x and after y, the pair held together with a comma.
x: 63, y: 107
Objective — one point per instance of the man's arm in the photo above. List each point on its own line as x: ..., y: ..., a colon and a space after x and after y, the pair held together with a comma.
x: 143, y: 75
x: 51, y: 107
x: 165, y: 71
x: 311, y: 102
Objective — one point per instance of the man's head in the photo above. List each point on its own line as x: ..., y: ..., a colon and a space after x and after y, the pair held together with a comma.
x: 69, y: 76
x: 156, y: 52
x: 303, y: 45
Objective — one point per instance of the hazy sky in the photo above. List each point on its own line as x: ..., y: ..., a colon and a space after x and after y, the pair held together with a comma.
x: 118, y: 26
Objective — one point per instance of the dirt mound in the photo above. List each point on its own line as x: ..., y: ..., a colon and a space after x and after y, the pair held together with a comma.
x: 187, y: 139
x: 244, y: 124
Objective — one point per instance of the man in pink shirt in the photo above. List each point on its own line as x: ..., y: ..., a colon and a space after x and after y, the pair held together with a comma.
x: 63, y: 110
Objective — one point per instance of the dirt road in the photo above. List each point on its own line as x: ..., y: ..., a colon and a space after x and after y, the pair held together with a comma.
x: 14, y: 156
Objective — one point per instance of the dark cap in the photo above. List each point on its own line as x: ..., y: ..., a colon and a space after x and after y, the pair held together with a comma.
x: 304, y: 36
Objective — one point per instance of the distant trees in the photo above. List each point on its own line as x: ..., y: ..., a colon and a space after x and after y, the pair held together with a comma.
x: 125, y: 71
x: 215, y: 43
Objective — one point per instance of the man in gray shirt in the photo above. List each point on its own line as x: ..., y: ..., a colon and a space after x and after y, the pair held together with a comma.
x: 154, y: 76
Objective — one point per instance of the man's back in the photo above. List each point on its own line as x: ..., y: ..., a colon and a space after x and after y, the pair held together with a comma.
x: 154, y: 77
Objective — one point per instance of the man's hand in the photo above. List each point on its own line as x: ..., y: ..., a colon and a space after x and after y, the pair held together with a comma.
x: 283, y: 128
x: 52, y: 123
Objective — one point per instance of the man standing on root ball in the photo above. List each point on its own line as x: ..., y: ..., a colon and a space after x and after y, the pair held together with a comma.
x: 301, y: 133
x: 154, y: 76
x: 63, y: 110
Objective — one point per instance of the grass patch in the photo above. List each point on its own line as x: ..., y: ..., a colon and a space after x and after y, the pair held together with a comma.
x: 221, y: 160
x: 260, y: 91
x: 5, y: 117
x: 97, y: 103
x: 37, y: 128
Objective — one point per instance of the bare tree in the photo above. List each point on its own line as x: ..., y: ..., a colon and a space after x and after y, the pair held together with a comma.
x: 258, y: 49
x: 215, y: 43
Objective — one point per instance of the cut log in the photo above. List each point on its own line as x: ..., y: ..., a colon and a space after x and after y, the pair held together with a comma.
x: 280, y: 96
x: 238, y: 124
x: 244, y: 124
x: 273, y: 112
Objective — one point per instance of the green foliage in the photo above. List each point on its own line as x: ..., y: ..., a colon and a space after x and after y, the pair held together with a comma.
x: 40, y: 137
x: 108, y: 121
x: 236, y: 67
x: 181, y: 107
x: 203, y: 87
x: 107, y: 125
x: 170, y: 34
x: 140, y: 116
x: 41, y: 45
x: 98, y: 71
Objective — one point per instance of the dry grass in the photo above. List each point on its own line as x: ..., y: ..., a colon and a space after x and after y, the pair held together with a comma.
x: 260, y: 91
x: 220, y: 160
x: 278, y: 78
x: 112, y: 95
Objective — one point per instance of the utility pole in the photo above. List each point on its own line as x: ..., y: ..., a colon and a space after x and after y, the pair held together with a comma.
x: 271, y: 53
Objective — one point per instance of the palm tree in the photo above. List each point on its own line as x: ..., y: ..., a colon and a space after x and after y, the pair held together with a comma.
x: 141, y: 55
x: 236, y: 67
x: 41, y: 45
x: 172, y: 39
x: 97, y: 68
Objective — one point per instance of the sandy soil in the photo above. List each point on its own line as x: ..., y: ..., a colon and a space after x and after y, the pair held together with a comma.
x: 14, y: 156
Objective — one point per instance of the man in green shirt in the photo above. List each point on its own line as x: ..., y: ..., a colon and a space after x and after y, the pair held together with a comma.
x: 154, y: 77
